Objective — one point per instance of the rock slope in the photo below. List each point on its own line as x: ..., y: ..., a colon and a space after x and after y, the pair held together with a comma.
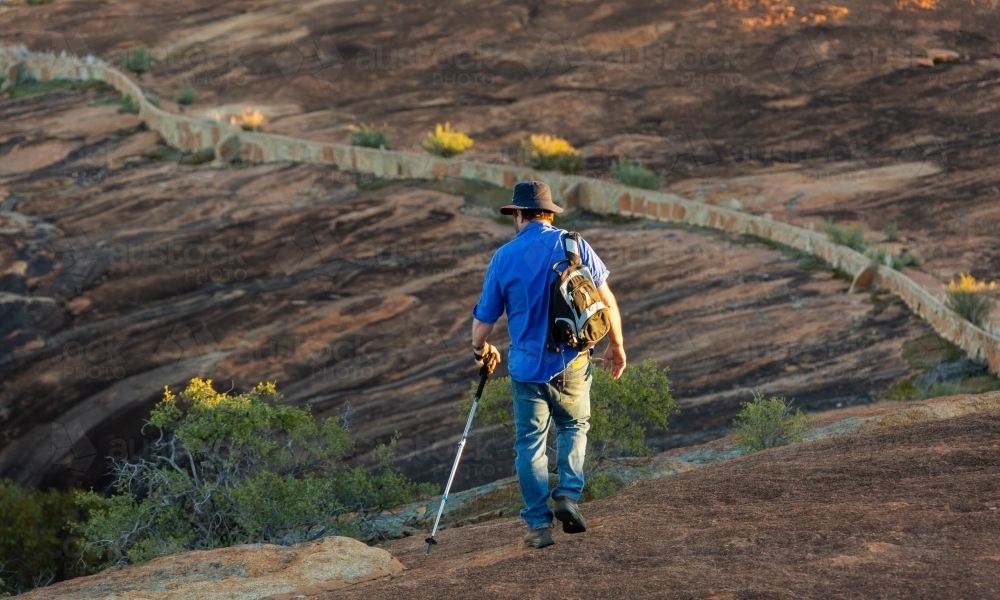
x: 251, y: 572
x: 906, y: 509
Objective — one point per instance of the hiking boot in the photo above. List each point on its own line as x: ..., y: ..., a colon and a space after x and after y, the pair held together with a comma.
x: 539, y: 538
x: 569, y: 513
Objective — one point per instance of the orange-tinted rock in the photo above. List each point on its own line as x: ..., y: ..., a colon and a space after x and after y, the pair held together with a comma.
x: 250, y: 572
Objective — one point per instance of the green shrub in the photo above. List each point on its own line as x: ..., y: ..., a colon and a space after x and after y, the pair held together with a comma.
x: 235, y: 469
x: 767, y: 423
x: 139, y: 60
x: 601, y: 485
x: 370, y: 136
x: 850, y: 236
x: 129, y: 106
x: 891, y: 232
x: 620, y: 410
x: 884, y: 257
x: 186, y: 95
x: 879, y: 256
x: 636, y: 175
x: 35, y: 546
x: 906, y: 258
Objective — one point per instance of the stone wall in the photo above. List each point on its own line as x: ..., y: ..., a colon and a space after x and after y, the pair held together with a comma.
x: 190, y: 134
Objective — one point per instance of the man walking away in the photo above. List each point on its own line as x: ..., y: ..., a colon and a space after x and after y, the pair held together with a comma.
x: 550, y: 383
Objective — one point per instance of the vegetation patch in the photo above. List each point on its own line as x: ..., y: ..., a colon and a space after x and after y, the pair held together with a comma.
x: 36, y: 547
x: 550, y: 153
x: 943, y: 369
x: 446, y: 142
x: 129, y: 105
x: 636, y: 175
x: 972, y: 299
x: 186, y: 95
x: 767, y: 423
x: 371, y: 136
x: 235, y: 469
x: 248, y: 119
x: 30, y: 87
x: 851, y: 236
x: 602, y: 484
x: 621, y: 411
x: 139, y: 60
x: 884, y: 257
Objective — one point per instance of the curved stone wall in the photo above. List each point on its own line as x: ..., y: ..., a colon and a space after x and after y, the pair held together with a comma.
x: 190, y: 135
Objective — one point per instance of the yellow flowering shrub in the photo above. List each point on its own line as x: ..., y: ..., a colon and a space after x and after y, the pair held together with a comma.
x: 550, y: 153
x: 972, y: 299
x: 249, y: 119
x: 446, y: 142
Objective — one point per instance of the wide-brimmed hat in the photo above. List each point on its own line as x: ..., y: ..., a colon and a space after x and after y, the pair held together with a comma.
x: 531, y: 195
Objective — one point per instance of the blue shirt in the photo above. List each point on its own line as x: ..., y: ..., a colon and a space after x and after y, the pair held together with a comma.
x: 518, y: 281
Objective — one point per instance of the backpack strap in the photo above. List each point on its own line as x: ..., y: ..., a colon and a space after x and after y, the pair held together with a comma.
x: 571, y: 244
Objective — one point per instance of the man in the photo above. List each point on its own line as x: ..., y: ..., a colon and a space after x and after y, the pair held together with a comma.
x: 545, y: 384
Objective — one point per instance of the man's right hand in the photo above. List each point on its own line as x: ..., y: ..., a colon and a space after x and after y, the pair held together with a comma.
x: 614, y: 359
x: 488, y: 355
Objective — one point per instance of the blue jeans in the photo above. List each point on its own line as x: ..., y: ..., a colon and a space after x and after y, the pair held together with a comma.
x: 565, y: 401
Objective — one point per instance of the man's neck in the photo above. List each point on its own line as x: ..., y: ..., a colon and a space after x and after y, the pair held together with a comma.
x: 529, y: 224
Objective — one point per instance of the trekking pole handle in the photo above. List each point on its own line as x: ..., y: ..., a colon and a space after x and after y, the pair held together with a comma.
x: 483, y: 375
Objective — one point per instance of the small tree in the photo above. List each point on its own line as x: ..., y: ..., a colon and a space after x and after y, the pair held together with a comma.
x: 233, y: 469
x: 768, y: 423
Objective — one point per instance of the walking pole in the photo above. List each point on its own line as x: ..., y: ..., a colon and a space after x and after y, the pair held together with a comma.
x: 483, y: 374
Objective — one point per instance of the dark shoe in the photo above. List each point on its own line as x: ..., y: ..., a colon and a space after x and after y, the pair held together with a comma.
x: 569, y: 513
x: 539, y: 538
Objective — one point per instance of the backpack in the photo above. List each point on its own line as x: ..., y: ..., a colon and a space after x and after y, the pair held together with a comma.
x: 577, y: 316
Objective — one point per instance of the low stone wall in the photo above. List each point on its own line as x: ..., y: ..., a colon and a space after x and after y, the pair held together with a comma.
x: 190, y: 134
